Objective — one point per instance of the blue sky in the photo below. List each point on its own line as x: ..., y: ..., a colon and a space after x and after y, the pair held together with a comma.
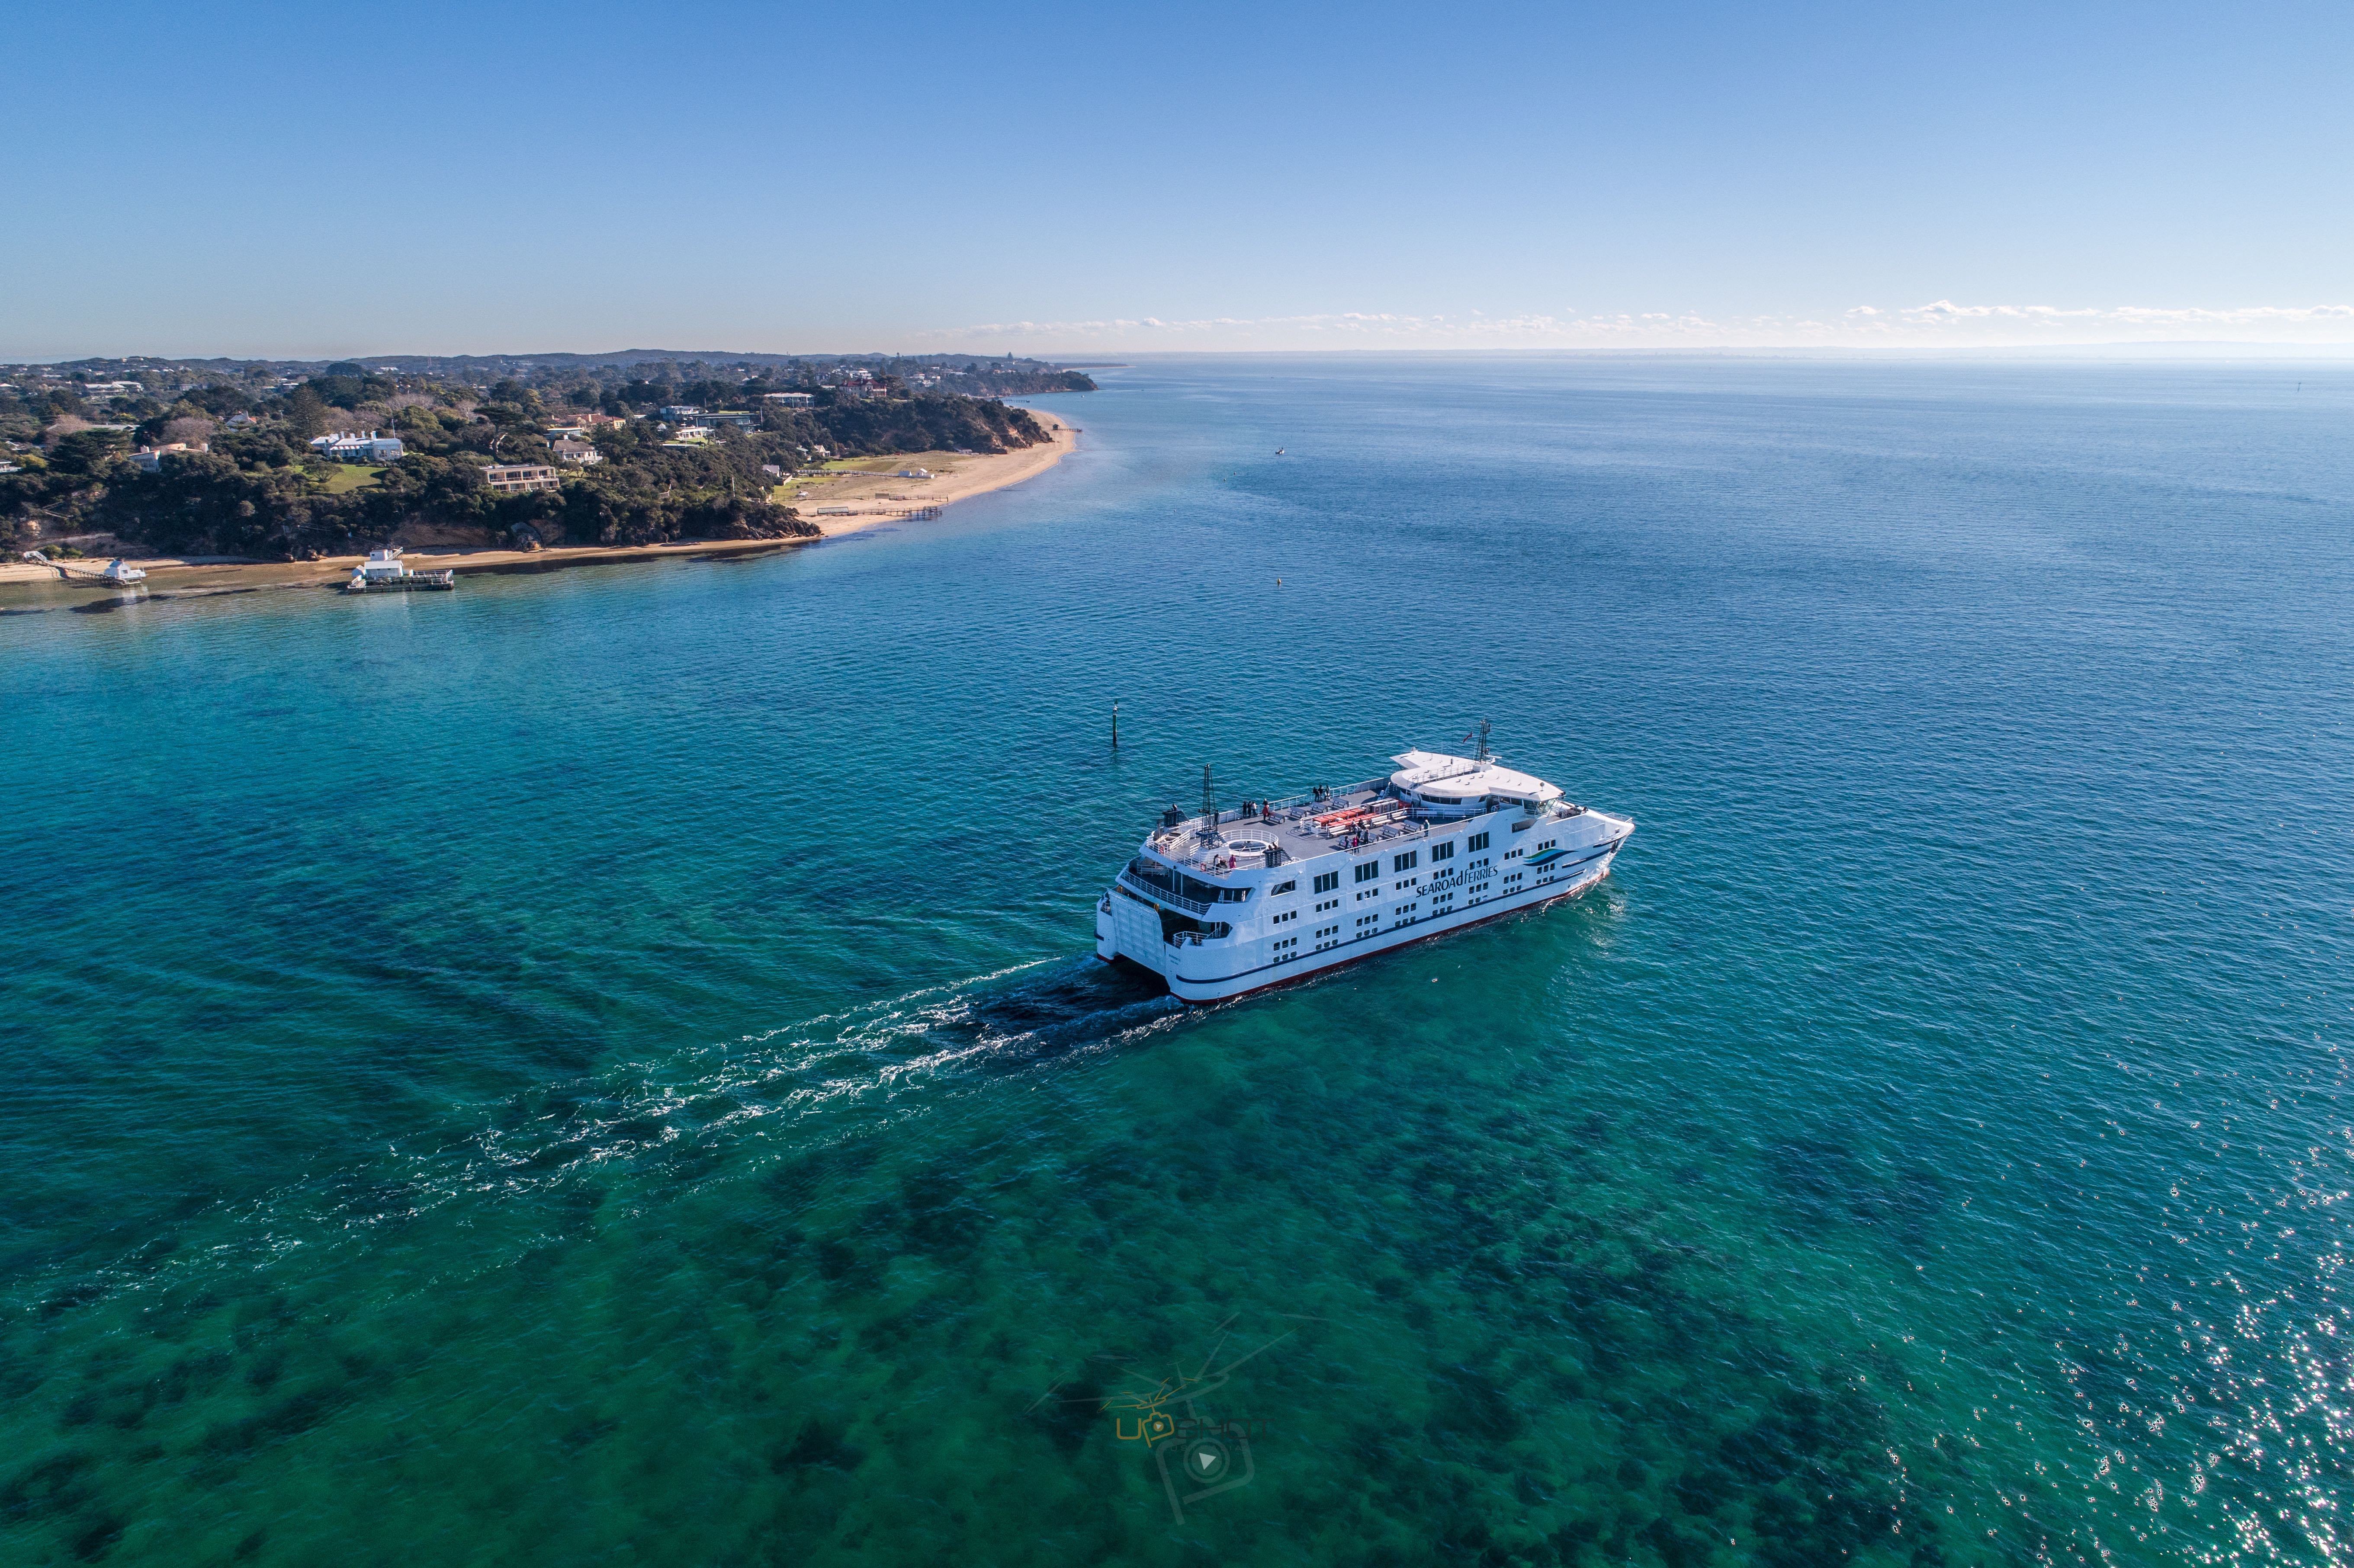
x: 310, y: 180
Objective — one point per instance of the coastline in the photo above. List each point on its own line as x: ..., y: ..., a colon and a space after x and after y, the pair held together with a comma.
x: 969, y: 477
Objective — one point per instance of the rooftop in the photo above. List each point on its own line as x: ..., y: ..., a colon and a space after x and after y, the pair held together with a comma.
x: 1443, y: 779
x: 1430, y: 791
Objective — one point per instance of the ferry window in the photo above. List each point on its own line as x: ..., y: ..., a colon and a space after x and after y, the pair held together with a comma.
x: 1401, y: 863
x: 1328, y: 881
x: 1283, y: 887
x: 1476, y: 843
x: 1370, y: 870
x: 1442, y: 852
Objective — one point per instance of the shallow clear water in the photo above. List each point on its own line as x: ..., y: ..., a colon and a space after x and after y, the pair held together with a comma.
x: 608, y: 1065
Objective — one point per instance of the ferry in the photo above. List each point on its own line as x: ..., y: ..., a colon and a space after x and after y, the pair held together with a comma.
x: 1223, y: 904
x: 384, y: 572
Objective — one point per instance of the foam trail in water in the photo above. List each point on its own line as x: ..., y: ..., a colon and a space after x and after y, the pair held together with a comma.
x: 704, y: 1099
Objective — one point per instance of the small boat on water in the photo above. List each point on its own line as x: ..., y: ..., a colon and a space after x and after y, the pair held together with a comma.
x: 384, y: 572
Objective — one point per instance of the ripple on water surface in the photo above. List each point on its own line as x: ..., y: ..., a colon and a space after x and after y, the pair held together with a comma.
x: 608, y: 1064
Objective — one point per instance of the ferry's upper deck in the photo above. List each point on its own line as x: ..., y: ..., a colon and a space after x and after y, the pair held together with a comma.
x: 1430, y: 791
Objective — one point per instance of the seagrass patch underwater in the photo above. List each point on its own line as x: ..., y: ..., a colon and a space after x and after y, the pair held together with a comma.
x: 607, y: 1064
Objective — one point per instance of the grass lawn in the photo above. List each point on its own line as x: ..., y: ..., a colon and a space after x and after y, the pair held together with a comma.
x: 343, y: 478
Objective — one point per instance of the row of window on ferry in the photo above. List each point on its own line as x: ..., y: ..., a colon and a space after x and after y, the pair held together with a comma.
x: 1403, y: 862
x: 1371, y: 870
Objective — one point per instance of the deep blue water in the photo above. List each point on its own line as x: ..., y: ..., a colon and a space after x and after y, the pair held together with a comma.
x: 607, y: 1066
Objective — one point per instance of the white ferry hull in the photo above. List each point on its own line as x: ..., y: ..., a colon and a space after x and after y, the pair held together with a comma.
x: 1264, y: 944
x: 1201, y: 990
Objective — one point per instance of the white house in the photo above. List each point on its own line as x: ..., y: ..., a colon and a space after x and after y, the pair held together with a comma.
x: 515, y: 478
x: 368, y: 448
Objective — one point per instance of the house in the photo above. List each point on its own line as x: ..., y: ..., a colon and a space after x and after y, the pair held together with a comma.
x: 240, y: 421
x: 368, y: 448
x: 913, y: 473
x: 741, y: 419
x: 152, y: 458
x: 690, y: 435
x: 597, y: 421
x: 790, y: 399
x: 570, y: 432
x: 573, y: 451
x: 676, y: 413
x: 515, y: 478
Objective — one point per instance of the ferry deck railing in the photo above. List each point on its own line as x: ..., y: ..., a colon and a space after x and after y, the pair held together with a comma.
x: 1160, y: 894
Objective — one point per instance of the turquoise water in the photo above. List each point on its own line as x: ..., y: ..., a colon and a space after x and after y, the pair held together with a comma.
x: 607, y: 1066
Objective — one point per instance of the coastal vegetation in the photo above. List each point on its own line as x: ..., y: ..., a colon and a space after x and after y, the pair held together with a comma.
x: 219, y: 457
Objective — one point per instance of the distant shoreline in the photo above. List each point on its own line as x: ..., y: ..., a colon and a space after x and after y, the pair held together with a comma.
x: 977, y: 475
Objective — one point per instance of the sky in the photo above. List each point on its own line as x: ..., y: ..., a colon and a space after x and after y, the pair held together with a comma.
x: 1086, y: 181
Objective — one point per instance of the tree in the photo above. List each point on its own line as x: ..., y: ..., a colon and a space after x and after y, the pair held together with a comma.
x: 219, y: 400
x: 84, y: 451
x: 306, y: 412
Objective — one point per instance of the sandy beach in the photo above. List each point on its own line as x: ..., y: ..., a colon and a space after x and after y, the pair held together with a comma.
x: 858, y: 496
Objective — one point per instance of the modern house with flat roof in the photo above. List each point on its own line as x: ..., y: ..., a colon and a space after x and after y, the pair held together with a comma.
x: 515, y: 478
x: 152, y: 458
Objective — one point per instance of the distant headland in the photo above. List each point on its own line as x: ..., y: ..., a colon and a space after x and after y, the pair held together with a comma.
x: 216, y: 463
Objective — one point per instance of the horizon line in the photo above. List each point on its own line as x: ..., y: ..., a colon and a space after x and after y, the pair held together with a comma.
x: 2143, y: 349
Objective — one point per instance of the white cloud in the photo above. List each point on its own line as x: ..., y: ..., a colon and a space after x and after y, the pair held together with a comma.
x: 1939, y: 323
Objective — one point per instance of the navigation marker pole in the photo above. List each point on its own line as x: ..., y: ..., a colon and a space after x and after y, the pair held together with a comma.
x: 1115, y: 726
